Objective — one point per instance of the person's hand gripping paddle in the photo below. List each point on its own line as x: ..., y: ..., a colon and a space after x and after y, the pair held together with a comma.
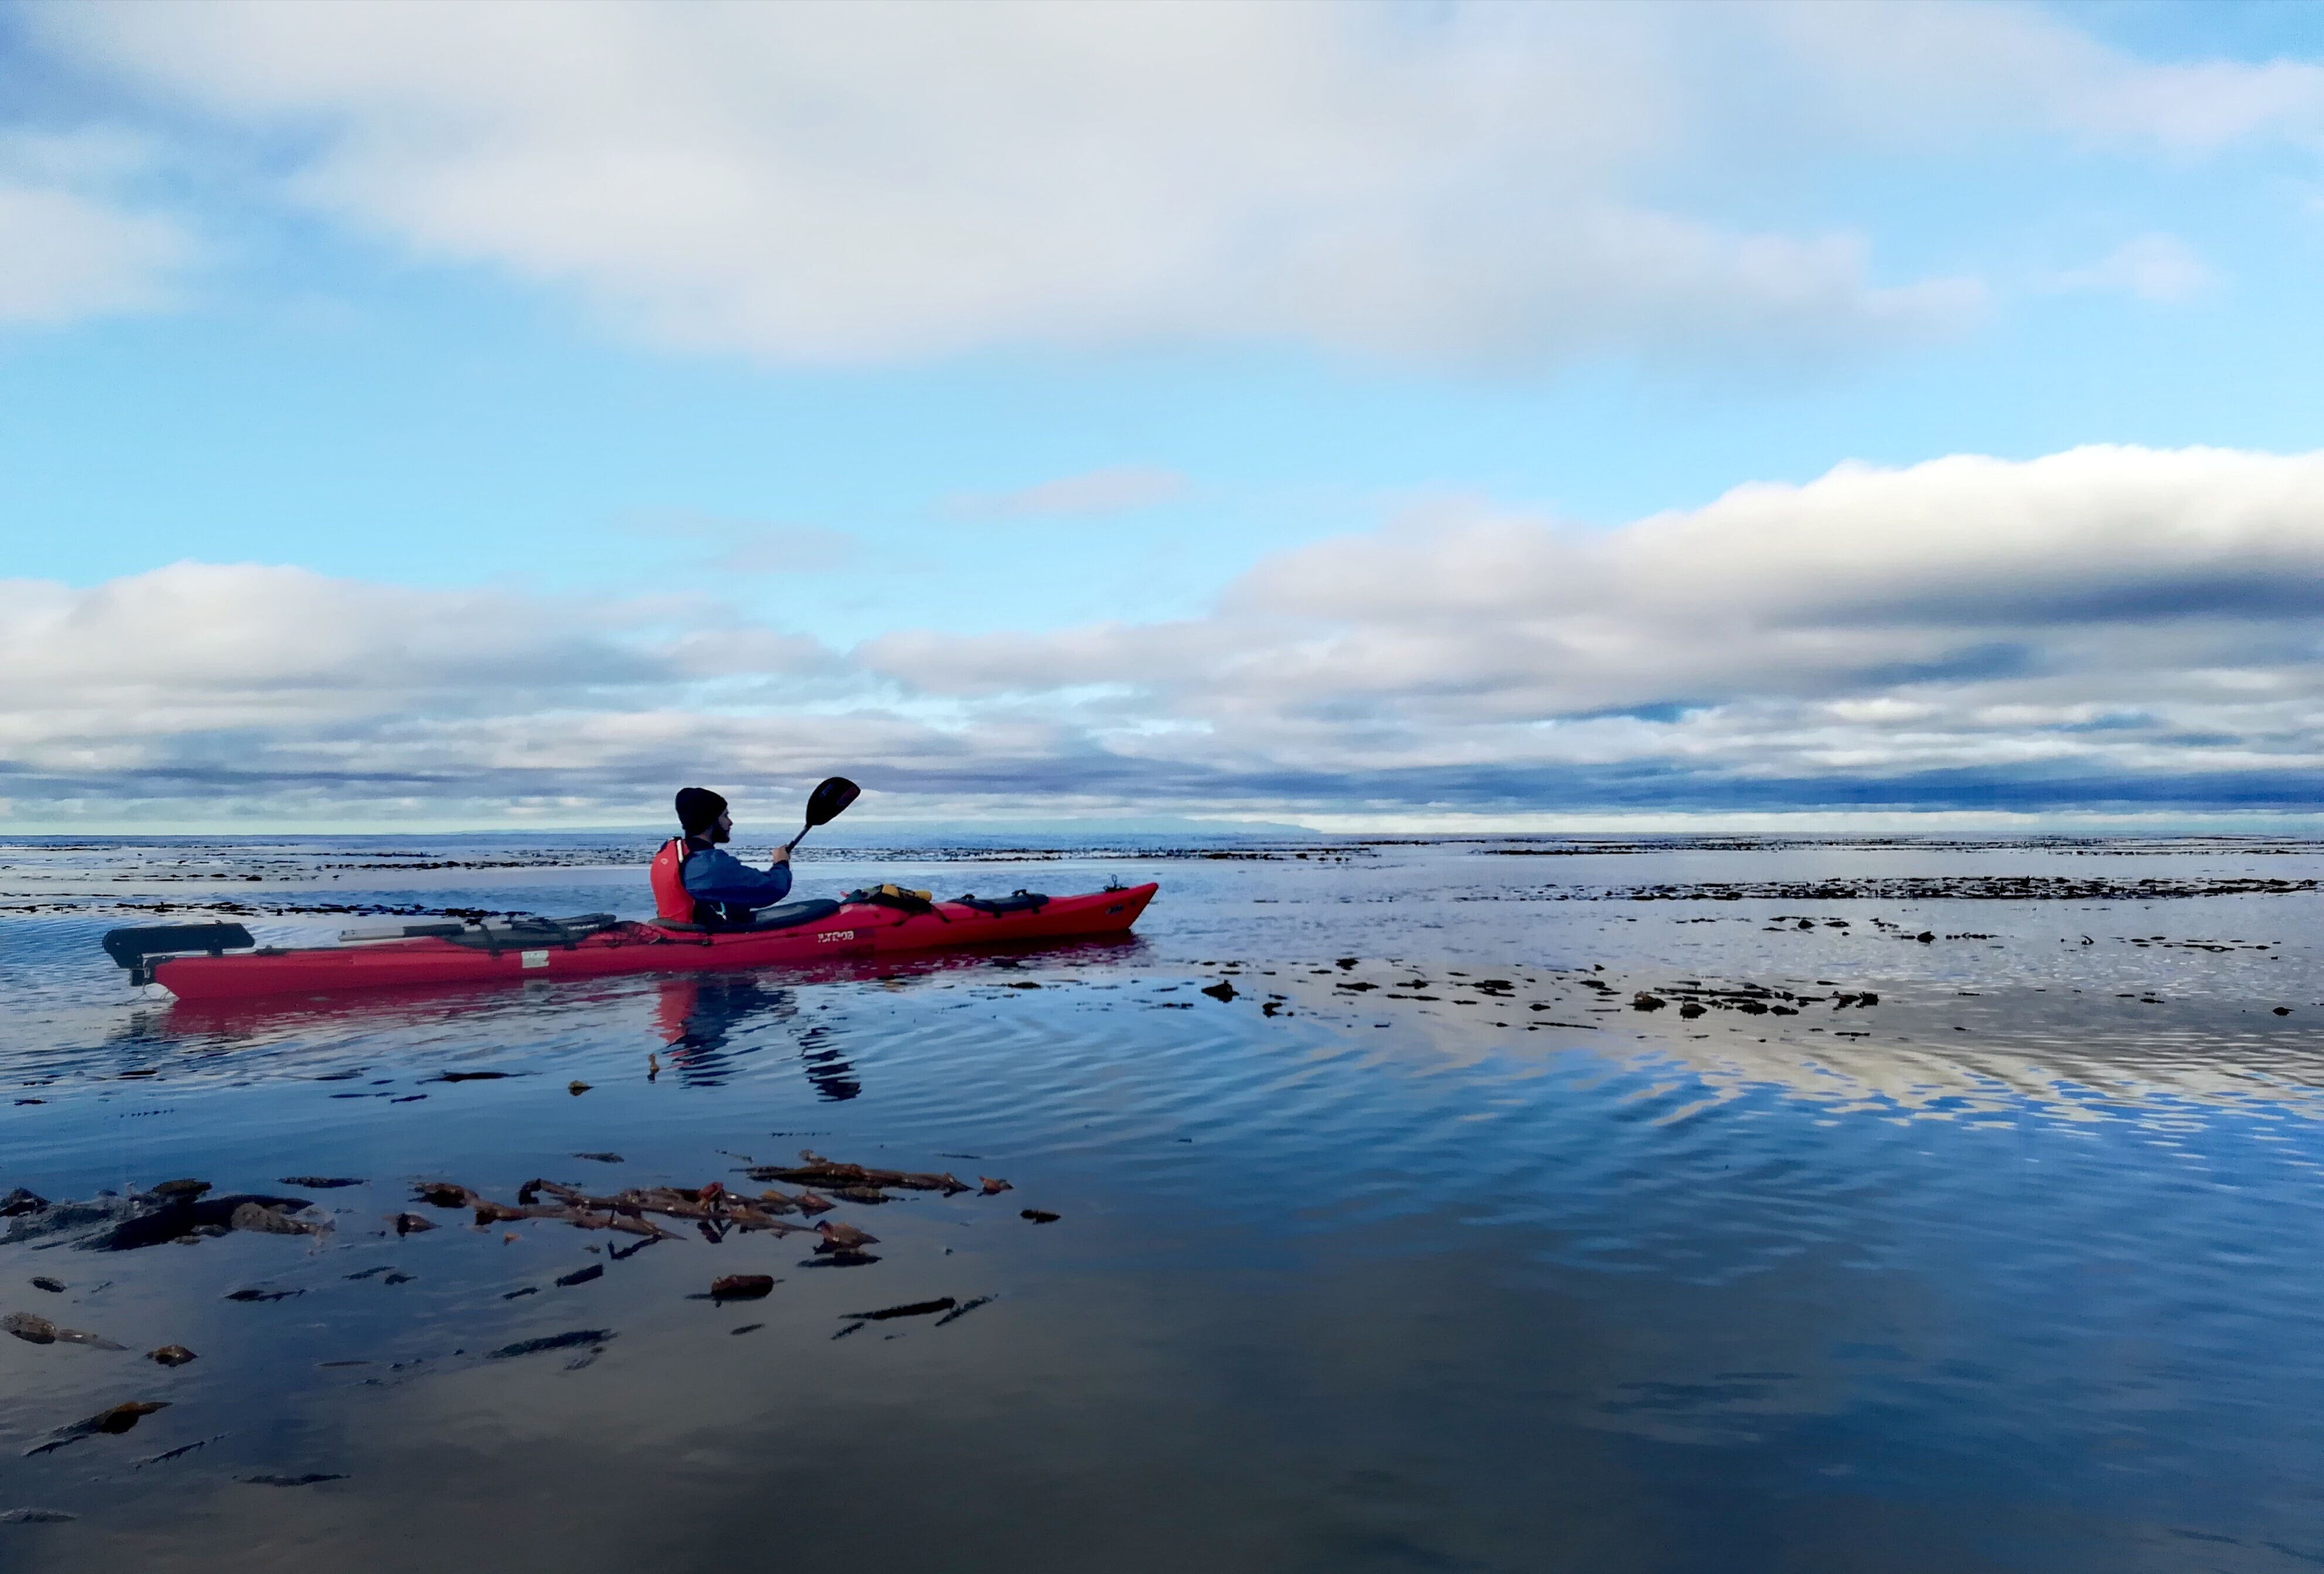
x: 824, y: 805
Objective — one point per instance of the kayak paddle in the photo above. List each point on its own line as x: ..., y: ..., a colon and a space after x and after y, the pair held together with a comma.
x: 831, y: 796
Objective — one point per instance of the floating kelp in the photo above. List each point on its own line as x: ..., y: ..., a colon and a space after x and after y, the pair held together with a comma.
x: 555, y: 1341
x: 107, y: 1422
x: 179, y: 1452
x: 964, y: 1309
x: 814, y: 1169
x: 911, y: 1308
x: 842, y: 1236
x: 804, y: 1202
x: 444, y: 1194
x: 40, y: 1331
x: 190, y: 1208
x: 1936, y: 888
x: 264, y: 1220
x: 170, y: 1211
x: 624, y: 1210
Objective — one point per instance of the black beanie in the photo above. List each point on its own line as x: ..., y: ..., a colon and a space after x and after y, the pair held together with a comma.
x: 698, y: 809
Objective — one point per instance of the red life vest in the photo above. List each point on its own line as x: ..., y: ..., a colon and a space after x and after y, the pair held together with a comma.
x: 672, y: 901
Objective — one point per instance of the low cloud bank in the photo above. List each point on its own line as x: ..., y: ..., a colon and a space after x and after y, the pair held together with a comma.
x: 2106, y: 628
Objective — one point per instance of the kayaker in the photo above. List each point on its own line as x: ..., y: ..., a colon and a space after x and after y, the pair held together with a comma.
x: 696, y: 881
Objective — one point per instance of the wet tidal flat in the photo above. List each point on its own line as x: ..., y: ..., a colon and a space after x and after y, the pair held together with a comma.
x: 1443, y: 1204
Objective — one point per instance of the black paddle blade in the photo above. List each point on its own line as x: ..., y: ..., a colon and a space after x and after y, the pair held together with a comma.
x: 831, y: 796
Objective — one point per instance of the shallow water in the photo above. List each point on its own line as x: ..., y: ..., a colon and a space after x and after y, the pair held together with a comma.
x: 2017, y: 1268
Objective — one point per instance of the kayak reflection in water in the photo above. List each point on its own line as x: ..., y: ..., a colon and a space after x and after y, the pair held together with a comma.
x: 697, y: 1016
x: 697, y: 881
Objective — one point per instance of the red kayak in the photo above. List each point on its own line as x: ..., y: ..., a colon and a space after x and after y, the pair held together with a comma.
x: 216, y: 961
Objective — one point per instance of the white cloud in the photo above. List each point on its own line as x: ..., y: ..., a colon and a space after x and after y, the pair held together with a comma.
x: 2101, y: 626
x: 1466, y: 185
x: 1961, y: 72
x: 2129, y: 614
x: 2199, y: 109
x: 1119, y: 490
x: 2162, y: 269
x: 245, y: 667
x: 843, y: 184
x: 70, y: 245
x: 747, y: 546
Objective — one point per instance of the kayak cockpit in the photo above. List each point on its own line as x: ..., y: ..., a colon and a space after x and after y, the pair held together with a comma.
x: 789, y: 915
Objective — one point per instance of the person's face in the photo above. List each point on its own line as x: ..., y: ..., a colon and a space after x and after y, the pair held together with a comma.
x: 724, y: 830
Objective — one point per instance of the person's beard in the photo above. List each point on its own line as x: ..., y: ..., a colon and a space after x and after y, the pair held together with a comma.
x: 720, y: 833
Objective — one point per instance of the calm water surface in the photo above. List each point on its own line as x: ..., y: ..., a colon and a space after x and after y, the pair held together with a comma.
x: 1477, y: 1267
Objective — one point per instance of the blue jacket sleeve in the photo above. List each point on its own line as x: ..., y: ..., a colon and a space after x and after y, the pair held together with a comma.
x: 716, y: 875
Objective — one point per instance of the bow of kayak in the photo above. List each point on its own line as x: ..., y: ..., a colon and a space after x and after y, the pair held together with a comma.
x: 600, y: 950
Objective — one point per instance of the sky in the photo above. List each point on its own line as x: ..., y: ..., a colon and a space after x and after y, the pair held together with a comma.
x: 1366, y: 417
